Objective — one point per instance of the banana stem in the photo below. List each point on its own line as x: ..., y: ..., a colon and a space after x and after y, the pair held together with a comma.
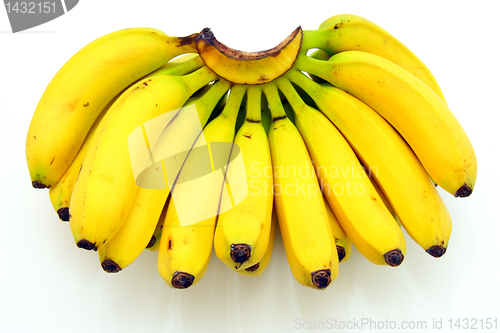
x: 274, y: 100
x: 311, y: 87
x: 198, y: 79
x: 314, y: 66
x: 254, y: 96
x: 232, y: 107
x: 314, y: 39
x: 292, y: 96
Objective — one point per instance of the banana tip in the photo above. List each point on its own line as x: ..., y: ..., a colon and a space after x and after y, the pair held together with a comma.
x: 38, y: 184
x: 341, y: 252
x: 152, y: 242
x: 182, y: 280
x: 110, y: 266
x: 63, y: 214
x: 436, y: 251
x: 86, y: 245
x: 240, y: 252
x: 463, y: 191
x: 252, y: 268
x: 322, y: 278
x: 394, y: 258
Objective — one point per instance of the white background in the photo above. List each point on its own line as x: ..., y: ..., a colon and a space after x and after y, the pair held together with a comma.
x: 47, y: 284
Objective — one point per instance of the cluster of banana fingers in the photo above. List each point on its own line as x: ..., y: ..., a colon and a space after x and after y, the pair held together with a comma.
x: 340, y: 135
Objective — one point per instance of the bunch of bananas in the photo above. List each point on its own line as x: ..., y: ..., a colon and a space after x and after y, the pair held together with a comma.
x: 342, y: 135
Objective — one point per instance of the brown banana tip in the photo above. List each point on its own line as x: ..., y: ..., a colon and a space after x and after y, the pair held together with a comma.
x: 240, y: 252
x: 110, y: 266
x: 86, y: 245
x: 436, y: 251
x: 152, y: 242
x: 463, y: 192
x: 252, y: 268
x: 63, y: 214
x: 322, y: 278
x: 394, y: 258
x: 182, y: 280
x: 341, y: 252
x: 38, y: 184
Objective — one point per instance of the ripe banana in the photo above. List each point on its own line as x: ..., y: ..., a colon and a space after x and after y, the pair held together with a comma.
x: 390, y: 161
x: 83, y: 87
x: 419, y: 115
x: 185, y: 250
x: 342, y: 241
x: 142, y: 219
x: 309, y: 244
x: 106, y: 187
x: 372, y: 229
x: 60, y: 192
x: 259, y: 267
x: 248, y: 67
x: 347, y: 32
x: 154, y: 242
x: 242, y: 233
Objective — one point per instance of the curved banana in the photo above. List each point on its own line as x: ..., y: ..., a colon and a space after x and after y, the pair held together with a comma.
x: 60, y: 192
x: 106, y: 187
x: 142, y: 219
x: 248, y: 67
x: 242, y: 233
x: 342, y: 241
x: 389, y: 161
x: 355, y: 202
x: 417, y: 113
x: 154, y: 242
x: 185, y: 247
x: 83, y: 87
x: 309, y: 244
x: 347, y: 32
x: 259, y: 267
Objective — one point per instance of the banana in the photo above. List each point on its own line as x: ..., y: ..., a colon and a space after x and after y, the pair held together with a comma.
x: 342, y: 241
x: 248, y: 67
x: 83, y: 87
x: 60, y: 192
x: 142, y: 219
x: 185, y: 250
x: 417, y: 113
x: 106, y: 187
x: 259, y: 267
x: 154, y: 242
x: 242, y: 233
x: 309, y: 244
x: 347, y: 32
x: 372, y: 229
x: 389, y: 161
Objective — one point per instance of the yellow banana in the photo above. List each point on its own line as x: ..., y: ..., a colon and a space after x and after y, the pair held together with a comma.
x: 389, y: 161
x: 154, y: 242
x: 185, y: 248
x: 342, y: 241
x: 417, y: 113
x: 242, y: 233
x: 60, y: 192
x: 309, y: 244
x: 83, y: 87
x: 347, y: 32
x: 248, y: 67
x: 259, y: 267
x: 105, y: 189
x: 371, y: 228
x: 142, y: 219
